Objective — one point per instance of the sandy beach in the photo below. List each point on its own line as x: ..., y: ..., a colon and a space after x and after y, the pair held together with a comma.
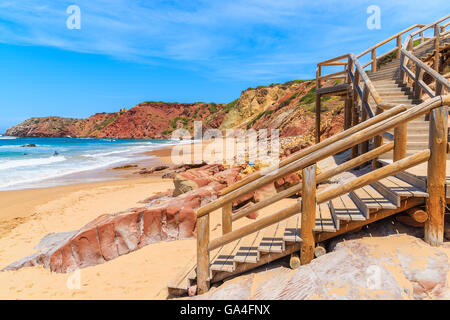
x: 26, y: 216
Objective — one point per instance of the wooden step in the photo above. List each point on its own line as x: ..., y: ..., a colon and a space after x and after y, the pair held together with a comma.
x: 394, y: 93
x: 402, y: 188
x: 370, y: 200
x: 419, y: 125
x: 272, y: 240
x: 292, y: 232
x: 389, y: 155
x: 247, y: 251
x: 380, y: 84
x: 224, y: 261
x: 385, y: 73
x: 413, y: 137
x: 387, y: 193
x: 417, y: 145
x: 181, y: 283
x: 344, y: 208
x: 325, y: 222
x: 412, y: 179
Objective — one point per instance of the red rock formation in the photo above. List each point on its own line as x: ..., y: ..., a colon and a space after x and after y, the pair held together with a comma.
x: 288, y: 107
x: 113, y: 235
x: 146, y: 120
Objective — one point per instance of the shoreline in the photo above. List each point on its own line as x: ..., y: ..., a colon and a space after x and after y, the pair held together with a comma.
x: 28, y: 215
x: 145, y: 159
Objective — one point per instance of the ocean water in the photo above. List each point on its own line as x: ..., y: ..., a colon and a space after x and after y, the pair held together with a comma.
x: 54, y: 158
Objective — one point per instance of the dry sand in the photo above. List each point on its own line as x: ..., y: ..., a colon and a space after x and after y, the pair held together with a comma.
x: 26, y: 216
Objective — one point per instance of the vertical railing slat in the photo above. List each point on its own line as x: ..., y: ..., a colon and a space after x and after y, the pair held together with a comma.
x: 308, y: 216
x: 203, y: 272
x: 436, y: 176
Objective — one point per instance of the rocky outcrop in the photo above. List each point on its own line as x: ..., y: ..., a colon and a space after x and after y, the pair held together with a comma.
x: 288, y: 107
x: 146, y: 120
x: 392, y: 267
x: 254, y: 101
x: 164, y: 217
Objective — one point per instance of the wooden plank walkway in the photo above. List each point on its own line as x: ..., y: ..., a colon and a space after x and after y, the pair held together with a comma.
x: 280, y: 239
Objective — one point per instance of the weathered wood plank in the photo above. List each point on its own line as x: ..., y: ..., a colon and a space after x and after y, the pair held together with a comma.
x: 436, y: 176
x: 333, y: 89
x: 248, y: 250
x: 292, y: 230
x: 308, y: 215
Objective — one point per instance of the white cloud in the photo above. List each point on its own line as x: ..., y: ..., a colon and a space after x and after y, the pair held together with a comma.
x: 234, y: 38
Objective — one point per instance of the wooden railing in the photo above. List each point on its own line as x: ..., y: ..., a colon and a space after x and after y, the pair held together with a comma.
x: 408, y: 59
x: 357, y: 106
x: 306, y: 161
x: 397, y: 48
x: 373, y: 125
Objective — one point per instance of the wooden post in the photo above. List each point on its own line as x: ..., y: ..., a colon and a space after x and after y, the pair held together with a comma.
x: 308, y: 215
x: 227, y: 222
x: 348, y: 111
x: 402, y: 64
x: 355, y: 111
x: 436, y: 48
x: 374, y: 60
x: 399, y: 46
x: 377, y: 142
x: 318, y: 106
x: 318, y: 74
x: 417, y: 88
x: 355, y: 121
x: 348, y: 103
x: 203, y: 254
x: 364, y: 147
x: 409, y: 48
x: 400, y: 132
x: 436, y: 176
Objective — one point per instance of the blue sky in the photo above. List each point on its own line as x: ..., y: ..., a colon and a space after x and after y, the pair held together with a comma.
x: 127, y: 52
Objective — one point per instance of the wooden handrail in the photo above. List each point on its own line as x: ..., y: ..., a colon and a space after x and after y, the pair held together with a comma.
x: 387, y: 117
x: 428, y: 26
x: 325, y: 175
x: 309, y: 156
x: 204, y: 245
x: 255, y: 226
x: 323, y: 196
x: 331, y: 75
x: 366, y: 79
x: 339, y: 136
x: 373, y: 176
x: 397, y: 116
x: 324, y: 63
x: 436, y: 75
x: 389, y: 39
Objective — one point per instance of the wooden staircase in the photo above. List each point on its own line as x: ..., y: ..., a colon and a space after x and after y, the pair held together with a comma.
x: 283, y: 238
x: 389, y: 85
x: 378, y: 105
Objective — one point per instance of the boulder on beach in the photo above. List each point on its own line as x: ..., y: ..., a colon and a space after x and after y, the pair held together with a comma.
x: 31, y: 145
